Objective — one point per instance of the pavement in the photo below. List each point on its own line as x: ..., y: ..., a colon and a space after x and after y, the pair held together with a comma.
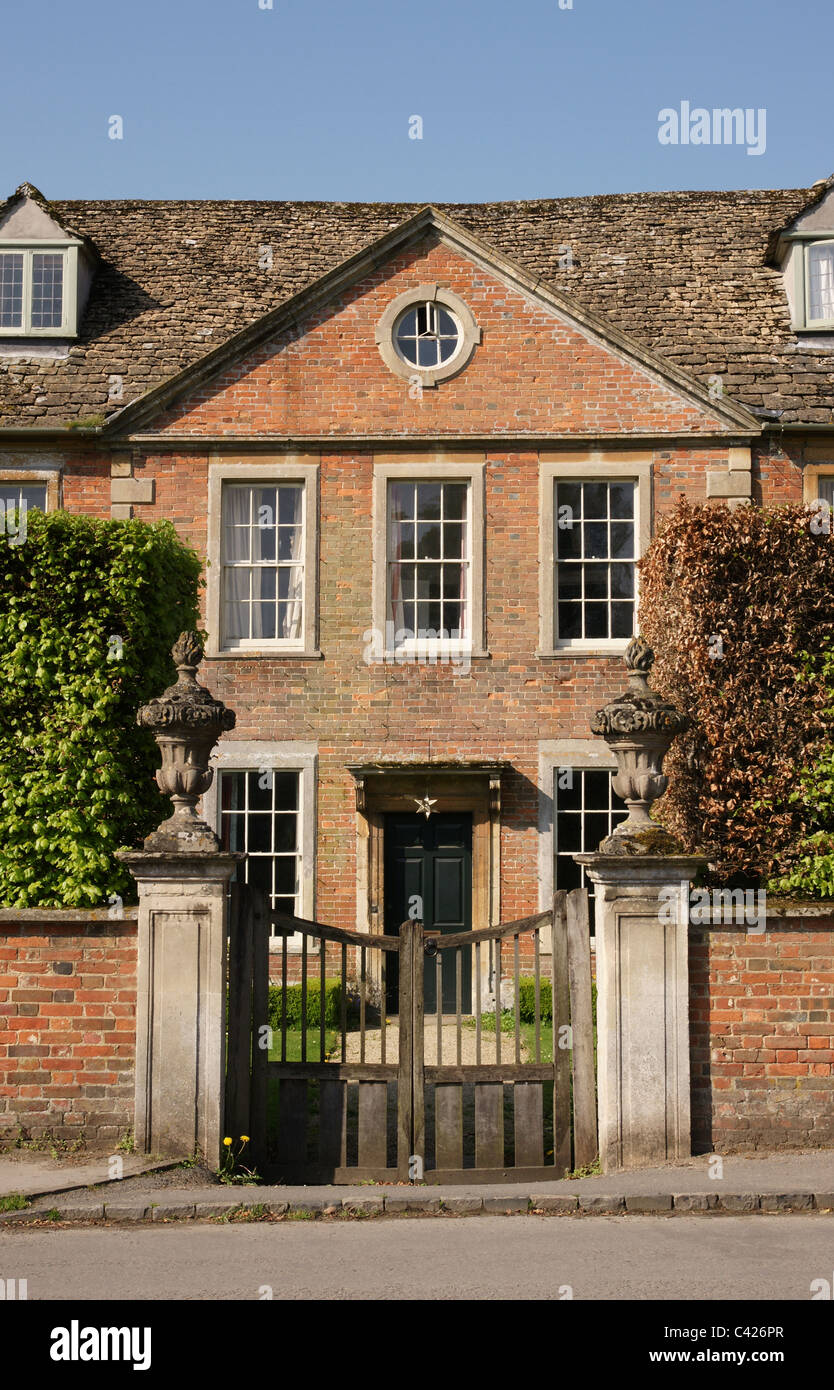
x: 156, y: 1191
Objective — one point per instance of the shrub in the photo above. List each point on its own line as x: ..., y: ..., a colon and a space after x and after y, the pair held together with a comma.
x: 332, y: 1004
x: 89, y: 610
x: 527, y: 1000
x: 739, y: 608
x: 812, y: 872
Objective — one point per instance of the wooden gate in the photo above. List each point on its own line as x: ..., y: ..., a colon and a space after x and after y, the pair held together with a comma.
x: 330, y: 1089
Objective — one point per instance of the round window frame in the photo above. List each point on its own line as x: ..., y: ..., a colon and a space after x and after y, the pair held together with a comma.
x: 470, y: 334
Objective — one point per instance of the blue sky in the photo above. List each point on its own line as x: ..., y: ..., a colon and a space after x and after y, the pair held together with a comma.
x: 312, y: 98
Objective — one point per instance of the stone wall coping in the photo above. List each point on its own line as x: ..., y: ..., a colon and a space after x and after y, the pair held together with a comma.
x: 776, y: 910
x: 59, y: 917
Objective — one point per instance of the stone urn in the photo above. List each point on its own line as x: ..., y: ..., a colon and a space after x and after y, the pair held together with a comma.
x: 639, y: 727
x: 186, y: 722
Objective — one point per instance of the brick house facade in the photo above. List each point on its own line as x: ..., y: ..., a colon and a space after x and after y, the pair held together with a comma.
x: 465, y: 422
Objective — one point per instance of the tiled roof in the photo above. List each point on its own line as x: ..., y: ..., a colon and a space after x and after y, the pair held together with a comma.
x: 684, y: 274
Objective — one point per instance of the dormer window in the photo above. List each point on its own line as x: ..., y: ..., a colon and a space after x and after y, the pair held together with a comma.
x: 34, y: 285
x: 45, y: 270
x: 819, y: 284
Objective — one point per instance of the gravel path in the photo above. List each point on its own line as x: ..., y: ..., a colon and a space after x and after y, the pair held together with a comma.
x: 448, y: 1045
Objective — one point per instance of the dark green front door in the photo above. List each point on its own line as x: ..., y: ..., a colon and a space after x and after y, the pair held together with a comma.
x: 428, y: 875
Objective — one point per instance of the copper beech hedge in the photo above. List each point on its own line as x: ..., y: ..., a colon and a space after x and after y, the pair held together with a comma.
x: 739, y: 608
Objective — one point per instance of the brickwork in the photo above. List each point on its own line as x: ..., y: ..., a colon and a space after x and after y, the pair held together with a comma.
x: 762, y: 1033
x: 67, y: 1024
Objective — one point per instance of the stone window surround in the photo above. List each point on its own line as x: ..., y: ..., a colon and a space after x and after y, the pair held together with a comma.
x: 427, y: 376
x: 585, y: 467
x: 294, y: 468
x: 464, y: 468
x: 50, y: 476
x: 811, y: 475
x: 248, y: 755
x: 555, y: 753
x: 69, y: 249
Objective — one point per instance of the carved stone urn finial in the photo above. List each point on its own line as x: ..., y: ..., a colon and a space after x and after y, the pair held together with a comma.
x: 186, y: 722
x: 639, y: 727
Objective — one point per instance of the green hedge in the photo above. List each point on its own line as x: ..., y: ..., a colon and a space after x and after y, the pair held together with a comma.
x: 527, y: 1000
x: 89, y: 610
x: 332, y: 1004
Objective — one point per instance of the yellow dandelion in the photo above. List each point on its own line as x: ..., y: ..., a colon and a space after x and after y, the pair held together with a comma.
x: 227, y: 1142
x: 244, y: 1138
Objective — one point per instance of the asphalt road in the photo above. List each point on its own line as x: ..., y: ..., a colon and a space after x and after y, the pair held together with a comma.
x: 684, y: 1257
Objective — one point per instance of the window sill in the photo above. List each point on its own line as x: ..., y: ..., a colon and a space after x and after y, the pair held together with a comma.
x: 262, y: 654
x: 584, y: 649
x: 442, y: 656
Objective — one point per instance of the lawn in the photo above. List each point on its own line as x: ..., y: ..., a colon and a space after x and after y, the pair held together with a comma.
x: 294, y: 1036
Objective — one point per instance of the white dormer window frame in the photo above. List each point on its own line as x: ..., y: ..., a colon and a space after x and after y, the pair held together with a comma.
x: 803, y: 246
x: 68, y: 250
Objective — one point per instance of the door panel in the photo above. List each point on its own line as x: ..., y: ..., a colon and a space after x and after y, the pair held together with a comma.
x: 428, y: 873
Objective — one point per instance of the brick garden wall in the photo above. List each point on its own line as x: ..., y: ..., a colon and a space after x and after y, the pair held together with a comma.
x: 762, y: 1034
x: 67, y: 1024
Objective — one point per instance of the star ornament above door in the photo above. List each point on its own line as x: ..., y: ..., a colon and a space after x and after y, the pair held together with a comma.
x: 425, y: 804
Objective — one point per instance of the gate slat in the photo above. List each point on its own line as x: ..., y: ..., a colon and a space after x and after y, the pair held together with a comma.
x: 373, y: 1112
x: 240, y: 1014
x: 418, y: 1034
x: 333, y: 1123
x: 489, y: 1124
x: 448, y: 1126
x: 585, y: 1141
x: 260, y: 1017
x: 292, y: 1121
x: 528, y: 1118
x: 406, y: 1049
x: 561, y: 1017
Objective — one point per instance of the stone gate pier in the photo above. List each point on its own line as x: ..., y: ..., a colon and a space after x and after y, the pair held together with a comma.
x: 642, y: 940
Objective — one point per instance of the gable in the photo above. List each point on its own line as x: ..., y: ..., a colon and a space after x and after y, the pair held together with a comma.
x: 543, y: 365
x: 25, y: 217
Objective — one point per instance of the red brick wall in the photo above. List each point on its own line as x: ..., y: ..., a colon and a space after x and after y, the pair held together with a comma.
x: 67, y: 1024
x: 762, y: 1035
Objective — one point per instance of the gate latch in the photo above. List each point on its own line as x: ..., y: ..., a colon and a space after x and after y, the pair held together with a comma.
x: 430, y: 943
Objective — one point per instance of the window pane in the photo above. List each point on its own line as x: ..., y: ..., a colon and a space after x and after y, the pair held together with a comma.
x: 428, y: 501
x: 402, y: 501
x: 622, y: 500
x: 569, y: 620
x: 596, y: 581
x: 597, y: 789
x: 260, y: 833
x: 622, y: 539
x: 569, y: 581
x: 595, y: 538
x: 47, y: 289
x: 286, y: 791
x: 594, y: 500
x: 11, y: 289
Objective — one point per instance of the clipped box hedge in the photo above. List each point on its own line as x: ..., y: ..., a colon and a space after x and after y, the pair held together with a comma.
x: 332, y: 1004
